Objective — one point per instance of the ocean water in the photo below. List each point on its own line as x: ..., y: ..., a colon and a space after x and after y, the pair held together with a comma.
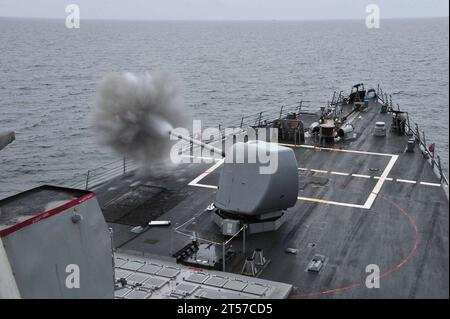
x: 49, y: 75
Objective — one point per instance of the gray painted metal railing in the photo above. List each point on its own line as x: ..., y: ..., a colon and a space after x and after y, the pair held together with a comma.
x: 432, y: 157
x: 101, y: 174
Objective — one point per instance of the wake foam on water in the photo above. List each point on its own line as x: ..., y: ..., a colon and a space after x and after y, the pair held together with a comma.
x: 135, y: 113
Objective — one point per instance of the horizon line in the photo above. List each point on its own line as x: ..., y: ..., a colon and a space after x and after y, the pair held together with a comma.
x: 225, y: 20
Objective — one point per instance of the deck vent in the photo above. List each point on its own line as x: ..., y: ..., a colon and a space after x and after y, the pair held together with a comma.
x: 316, y: 263
x: 411, y: 144
x: 380, y: 129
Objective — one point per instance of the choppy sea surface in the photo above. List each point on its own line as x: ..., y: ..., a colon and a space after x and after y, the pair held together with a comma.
x: 49, y: 75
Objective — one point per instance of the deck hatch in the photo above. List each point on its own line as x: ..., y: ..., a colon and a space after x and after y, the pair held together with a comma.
x: 169, y: 272
x: 136, y: 278
x: 185, y: 289
x: 150, y: 269
x: 120, y: 293
x: 119, y: 273
x: 256, y: 289
x: 216, y: 281
x: 198, y: 278
x: 235, y: 284
x: 138, y: 294
x: 155, y: 283
x: 132, y: 265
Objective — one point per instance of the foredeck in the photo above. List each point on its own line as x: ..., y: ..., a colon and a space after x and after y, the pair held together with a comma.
x: 361, y: 202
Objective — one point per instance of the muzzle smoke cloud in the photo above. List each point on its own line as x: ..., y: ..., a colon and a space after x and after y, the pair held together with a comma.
x: 135, y: 113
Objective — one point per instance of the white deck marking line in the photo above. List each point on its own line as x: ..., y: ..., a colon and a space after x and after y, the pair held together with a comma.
x: 337, y: 149
x: 331, y: 172
x: 361, y: 175
x: 339, y: 173
x: 387, y: 178
x: 204, y: 185
x: 206, y: 173
x: 373, y: 195
x: 322, y: 201
x: 368, y: 176
x: 319, y: 171
x: 408, y: 181
x: 430, y: 184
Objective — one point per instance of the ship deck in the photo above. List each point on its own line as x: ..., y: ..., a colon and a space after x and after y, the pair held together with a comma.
x: 361, y: 202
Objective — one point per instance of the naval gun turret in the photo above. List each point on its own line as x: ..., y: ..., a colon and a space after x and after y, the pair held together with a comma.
x: 257, y: 183
x: 250, y: 187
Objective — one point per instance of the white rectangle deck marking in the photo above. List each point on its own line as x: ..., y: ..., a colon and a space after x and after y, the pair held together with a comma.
x: 372, y: 196
x: 367, y: 205
x: 405, y: 181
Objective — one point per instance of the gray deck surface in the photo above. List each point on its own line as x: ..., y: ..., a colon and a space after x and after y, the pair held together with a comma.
x: 404, y: 232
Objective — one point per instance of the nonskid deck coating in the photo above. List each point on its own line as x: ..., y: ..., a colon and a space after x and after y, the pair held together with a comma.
x: 404, y: 231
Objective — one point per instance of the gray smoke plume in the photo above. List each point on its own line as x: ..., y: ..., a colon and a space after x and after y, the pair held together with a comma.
x: 135, y: 113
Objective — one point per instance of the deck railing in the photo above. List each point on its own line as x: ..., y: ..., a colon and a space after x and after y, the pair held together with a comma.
x: 101, y: 174
x: 97, y: 176
x: 430, y: 155
x: 433, y: 158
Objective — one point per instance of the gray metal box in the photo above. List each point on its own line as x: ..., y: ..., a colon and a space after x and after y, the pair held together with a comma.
x: 230, y: 227
x: 54, y: 235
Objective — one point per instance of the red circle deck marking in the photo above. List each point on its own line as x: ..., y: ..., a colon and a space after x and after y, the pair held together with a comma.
x: 384, y: 274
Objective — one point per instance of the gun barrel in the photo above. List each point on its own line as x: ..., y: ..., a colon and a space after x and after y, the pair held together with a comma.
x: 199, y: 143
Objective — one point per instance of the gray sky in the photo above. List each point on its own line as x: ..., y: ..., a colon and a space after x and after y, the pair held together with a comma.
x: 223, y: 9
